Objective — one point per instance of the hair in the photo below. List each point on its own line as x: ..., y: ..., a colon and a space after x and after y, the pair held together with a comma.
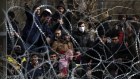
x: 101, y: 33
x: 114, y: 33
x: 58, y: 30
x: 52, y: 53
x: 45, y: 13
x: 120, y: 17
x: 35, y: 7
x: 80, y: 23
x: 33, y: 55
x: 11, y: 14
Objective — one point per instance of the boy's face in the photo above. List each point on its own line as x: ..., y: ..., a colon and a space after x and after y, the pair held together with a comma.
x: 58, y: 33
x: 35, y: 59
x: 115, y: 40
x: 53, y: 57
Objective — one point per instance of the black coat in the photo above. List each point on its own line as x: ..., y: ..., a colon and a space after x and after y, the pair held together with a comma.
x: 98, y: 52
x: 29, y: 24
x: 82, y: 39
x: 32, y: 72
x: 31, y: 32
x: 12, y: 39
x: 121, y: 51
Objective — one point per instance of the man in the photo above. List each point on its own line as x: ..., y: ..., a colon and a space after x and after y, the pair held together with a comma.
x: 40, y: 34
x: 12, y: 32
x: 60, y: 45
x: 29, y: 19
x: 100, y: 51
x: 58, y: 34
x: 32, y: 68
x: 120, y: 54
x: 119, y: 50
x: 82, y: 38
x: 52, y: 65
x: 61, y: 18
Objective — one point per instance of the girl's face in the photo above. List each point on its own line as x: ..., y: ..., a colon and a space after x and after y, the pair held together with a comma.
x: 67, y: 37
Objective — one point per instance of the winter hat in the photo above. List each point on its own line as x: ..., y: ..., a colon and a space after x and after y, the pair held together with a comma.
x: 61, y: 4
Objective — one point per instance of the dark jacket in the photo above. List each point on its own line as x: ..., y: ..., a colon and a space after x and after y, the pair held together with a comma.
x: 51, y: 73
x: 82, y: 39
x: 98, y: 52
x: 38, y: 34
x: 31, y: 32
x: 29, y: 22
x: 12, y: 39
x: 33, y: 72
x: 121, y: 51
x: 102, y: 49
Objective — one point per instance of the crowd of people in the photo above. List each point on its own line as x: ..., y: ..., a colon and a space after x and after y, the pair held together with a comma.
x: 51, y: 47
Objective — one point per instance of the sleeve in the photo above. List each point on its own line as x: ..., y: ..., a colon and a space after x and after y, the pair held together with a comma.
x: 28, y: 13
x: 48, y: 32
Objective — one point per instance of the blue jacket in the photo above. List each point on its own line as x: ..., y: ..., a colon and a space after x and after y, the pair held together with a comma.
x: 31, y: 34
x: 37, y: 34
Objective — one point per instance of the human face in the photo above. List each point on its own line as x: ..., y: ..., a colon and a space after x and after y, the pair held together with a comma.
x: 67, y: 37
x: 104, y: 39
x: 115, y: 40
x: 34, y: 59
x: 37, y: 10
x: 45, y: 19
x: 53, y: 57
x: 61, y: 9
x: 58, y: 33
x: 82, y: 27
